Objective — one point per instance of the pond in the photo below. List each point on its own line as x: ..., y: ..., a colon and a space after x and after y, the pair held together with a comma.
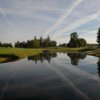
x: 51, y: 76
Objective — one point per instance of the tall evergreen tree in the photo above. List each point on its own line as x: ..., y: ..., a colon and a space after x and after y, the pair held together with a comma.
x: 41, y: 42
x: 17, y: 44
x: 98, y: 37
x: 48, y: 42
x: 36, y: 42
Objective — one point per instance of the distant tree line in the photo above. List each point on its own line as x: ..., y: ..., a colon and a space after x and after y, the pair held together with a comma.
x: 5, y: 44
x: 75, y: 41
x: 92, y: 45
x: 63, y: 45
x: 36, y: 43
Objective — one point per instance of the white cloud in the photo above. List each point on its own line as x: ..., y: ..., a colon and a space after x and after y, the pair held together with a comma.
x: 31, y: 9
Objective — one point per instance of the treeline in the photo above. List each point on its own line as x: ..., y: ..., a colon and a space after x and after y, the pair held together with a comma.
x: 92, y: 45
x: 36, y: 43
x: 63, y: 45
x: 74, y: 42
x: 5, y: 44
x: 47, y: 42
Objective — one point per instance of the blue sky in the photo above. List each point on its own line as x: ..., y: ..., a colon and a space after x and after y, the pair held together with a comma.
x: 22, y: 19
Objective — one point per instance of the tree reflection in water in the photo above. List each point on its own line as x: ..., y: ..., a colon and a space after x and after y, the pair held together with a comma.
x: 75, y: 57
x: 43, y: 56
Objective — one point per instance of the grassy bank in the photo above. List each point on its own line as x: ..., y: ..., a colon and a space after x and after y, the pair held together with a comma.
x: 94, y: 52
x: 7, y: 54
x: 62, y: 49
x: 22, y: 53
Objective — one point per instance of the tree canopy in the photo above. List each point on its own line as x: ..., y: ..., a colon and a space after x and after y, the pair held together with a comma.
x: 5, y: 44
x: 75, y: 41
x: 36, y: 43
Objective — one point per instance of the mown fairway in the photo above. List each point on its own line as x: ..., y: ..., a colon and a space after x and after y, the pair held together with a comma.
x: 18, y: 53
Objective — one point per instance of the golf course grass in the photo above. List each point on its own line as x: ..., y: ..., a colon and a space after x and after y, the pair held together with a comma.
x: 11, y: 54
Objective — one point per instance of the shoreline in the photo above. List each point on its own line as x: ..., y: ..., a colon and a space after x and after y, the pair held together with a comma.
x: 13, y: 54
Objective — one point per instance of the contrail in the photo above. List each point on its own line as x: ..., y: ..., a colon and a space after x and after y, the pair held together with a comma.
x: 63, y: 17
x: 77, y: 71
x: 76, y: 90
x: 6, y: 86
x: 5, y: 16
x: 76, y: 24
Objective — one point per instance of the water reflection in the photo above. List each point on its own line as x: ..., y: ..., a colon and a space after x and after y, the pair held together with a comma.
x: 22, y: 80
x: 42, y: 56
x: 75, y: 57
x: 8, y: 58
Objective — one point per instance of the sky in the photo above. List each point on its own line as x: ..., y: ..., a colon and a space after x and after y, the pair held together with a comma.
x: 23, y: 19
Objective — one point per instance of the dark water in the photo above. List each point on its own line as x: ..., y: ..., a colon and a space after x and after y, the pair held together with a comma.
x: 56, y: 76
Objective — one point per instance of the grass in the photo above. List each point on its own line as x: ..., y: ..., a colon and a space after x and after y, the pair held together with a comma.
x: 22, y: 53
x: 94, y: 52
x: 7, y: 54
x: 3, y: 60
x: 16, y: 52
x: 62, y: 49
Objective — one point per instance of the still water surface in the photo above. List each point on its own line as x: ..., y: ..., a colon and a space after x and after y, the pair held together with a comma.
x: 52, y: 76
